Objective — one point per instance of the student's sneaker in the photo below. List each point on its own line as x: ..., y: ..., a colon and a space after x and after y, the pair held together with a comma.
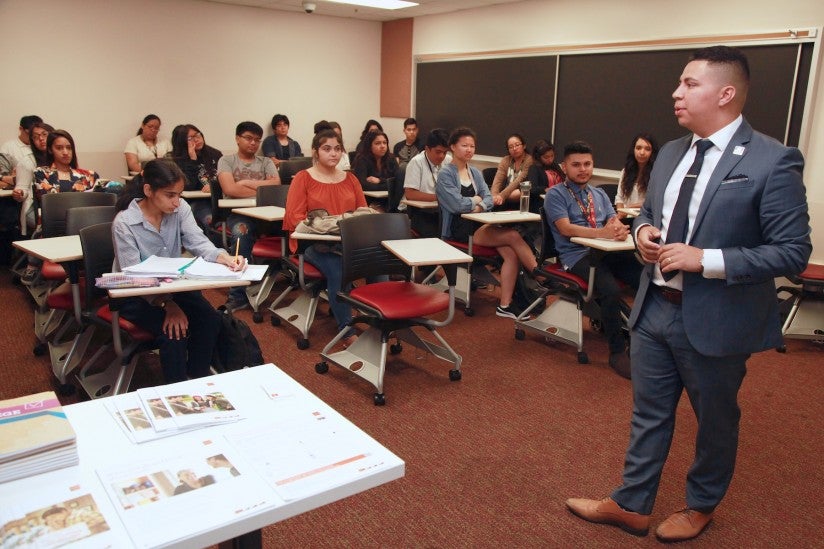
x: 233, y: 305
x: 507, y: 312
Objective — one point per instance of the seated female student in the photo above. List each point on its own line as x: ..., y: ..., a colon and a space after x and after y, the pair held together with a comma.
x: 61, y: 174
x: 544, y: 173
x: 24, y: 178
x: 369, y: 127
x: 198, y: 161
x: 344, y: 163
x: 461, y: 189
x: 145, y: 145
x: 632, y: 187
x: 325, y: 186
x: 512, y: 169
x: 157, y: 222
x: 376, y: 168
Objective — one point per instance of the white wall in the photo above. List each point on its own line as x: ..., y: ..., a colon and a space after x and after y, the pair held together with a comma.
x: 562, y: 22
x: 96, y: 68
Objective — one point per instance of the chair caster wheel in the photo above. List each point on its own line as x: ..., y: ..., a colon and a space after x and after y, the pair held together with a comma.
x: 303, y: 344
x: 469, y: 311
x: 275, y: 320
x: 379, y: 399
x: 520, y: 335
x: 39, y: 349
x: 596, y: 325
x: 583, y: 358
x: 396, y: 349
x: 257, y: 317
x: 454, y: 375
x: 321, y: 367
x: 66, y: 389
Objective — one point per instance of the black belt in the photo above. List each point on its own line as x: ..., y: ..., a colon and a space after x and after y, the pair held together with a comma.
x: 669, y: 294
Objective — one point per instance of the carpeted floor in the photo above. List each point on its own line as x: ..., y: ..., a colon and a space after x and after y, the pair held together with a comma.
x: 490, y: 459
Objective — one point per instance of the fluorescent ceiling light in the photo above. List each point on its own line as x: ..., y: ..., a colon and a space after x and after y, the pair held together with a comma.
x: 382, y: 4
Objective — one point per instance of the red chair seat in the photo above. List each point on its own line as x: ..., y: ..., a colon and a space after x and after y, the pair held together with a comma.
x: 555, y: 270
x: 309, y: 270
x: 477, y: 250
x: 813, y: 272
x: 397, y: 300
x: 53, y: 271
x: 61, y: 298
x: 135, y: 332
x: 268, y: 247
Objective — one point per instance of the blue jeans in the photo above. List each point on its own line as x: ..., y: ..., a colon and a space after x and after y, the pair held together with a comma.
x: 664, y: 363
x: 241, y: 229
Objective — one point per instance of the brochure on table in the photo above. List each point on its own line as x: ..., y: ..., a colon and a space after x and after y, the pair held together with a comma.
x: 265, y: 447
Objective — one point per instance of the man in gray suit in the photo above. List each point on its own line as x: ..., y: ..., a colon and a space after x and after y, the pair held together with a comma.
x: 725, y: 214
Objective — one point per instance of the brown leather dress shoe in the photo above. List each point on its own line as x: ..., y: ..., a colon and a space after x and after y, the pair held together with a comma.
x: 683, y: 525
x: 606, y: 511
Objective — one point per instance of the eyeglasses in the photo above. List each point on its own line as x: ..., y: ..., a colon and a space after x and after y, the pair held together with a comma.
x: 515, y: 146
x: 195, y: 137
x: 251, y: 138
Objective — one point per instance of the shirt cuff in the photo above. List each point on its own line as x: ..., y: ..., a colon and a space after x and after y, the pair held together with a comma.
x: 713, y: 263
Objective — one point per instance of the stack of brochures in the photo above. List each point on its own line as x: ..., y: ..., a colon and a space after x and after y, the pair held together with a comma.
x: 35, y: 436
x: 187, y: 267
x: 167, y: 410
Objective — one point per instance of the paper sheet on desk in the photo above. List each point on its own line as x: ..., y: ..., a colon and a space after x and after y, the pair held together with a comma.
x: 216, y: 271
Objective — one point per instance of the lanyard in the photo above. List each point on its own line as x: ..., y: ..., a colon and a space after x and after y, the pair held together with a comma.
x: 587, y: 211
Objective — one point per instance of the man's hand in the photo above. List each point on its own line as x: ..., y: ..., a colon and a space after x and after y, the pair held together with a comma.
x: 646, y: 240
x: 615, y: 230
x: 680, y: 257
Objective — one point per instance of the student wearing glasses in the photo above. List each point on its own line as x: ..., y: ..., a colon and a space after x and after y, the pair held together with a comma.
x: 239, y: 176
x: 145, y: 145
x: 512, y: 169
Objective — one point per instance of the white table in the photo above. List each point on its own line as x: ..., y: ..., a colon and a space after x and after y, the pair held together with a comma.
x: 293, y: 412
x: 5, y: 193
x: 313, y: 236
x: 376, y: 194
x: 177, y: 285
x: 606, y: 244
x: 230, y: 203
x: 629, y: 212
x: 421, y: 204
x: 191, y: 195
x: 418, y: 252
x: 502, y: 217
x: 264, y: 213
x: 57, y: 249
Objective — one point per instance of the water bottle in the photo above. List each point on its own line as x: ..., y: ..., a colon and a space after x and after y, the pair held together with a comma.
x: 525, y: 186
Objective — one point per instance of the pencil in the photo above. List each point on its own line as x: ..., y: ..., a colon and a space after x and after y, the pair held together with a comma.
x: 237, y: 249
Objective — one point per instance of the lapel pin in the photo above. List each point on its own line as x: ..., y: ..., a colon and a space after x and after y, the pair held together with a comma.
x: 738, y: 150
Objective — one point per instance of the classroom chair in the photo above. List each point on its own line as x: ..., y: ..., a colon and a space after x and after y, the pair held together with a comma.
x: 389, y: 309
x: 300, y: 312
x: 563, y: 319
x: 66, y: 353
x: 489, y: 176
x: 53, y: 208
x: 270, y: 247
x: 806, y: 316
x: 288, y: 168
x: 128, y: 339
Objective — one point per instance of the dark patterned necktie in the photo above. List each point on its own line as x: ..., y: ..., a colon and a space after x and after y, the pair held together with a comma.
x: 679, y: 221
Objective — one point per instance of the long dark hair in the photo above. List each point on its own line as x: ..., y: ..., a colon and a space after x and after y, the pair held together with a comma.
x: 50, y: 141
x: 158, y: 174
x: 41, y: 158
x: 180, y: 145
x: 541, y: 148
x: 632, y: 169
x: 364, y: 154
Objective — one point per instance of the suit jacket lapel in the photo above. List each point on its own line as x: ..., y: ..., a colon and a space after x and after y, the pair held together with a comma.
x: 725, y: 165
x: 671, y: 162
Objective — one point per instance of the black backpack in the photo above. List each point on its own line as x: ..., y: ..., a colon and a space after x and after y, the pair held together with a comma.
x: 236, y: 346
x: 526, y: 291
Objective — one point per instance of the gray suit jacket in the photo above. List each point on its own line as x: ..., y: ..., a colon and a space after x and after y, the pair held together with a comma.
x: 755, y: 210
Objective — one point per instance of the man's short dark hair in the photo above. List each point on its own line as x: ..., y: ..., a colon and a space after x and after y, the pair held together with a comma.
x: 577, y: 147
x: 410, y: 122
x: 438, y: 137
x: 29, y: 120
x: 725, y: 55
x: 251, y: 127
x: 278, y: 118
